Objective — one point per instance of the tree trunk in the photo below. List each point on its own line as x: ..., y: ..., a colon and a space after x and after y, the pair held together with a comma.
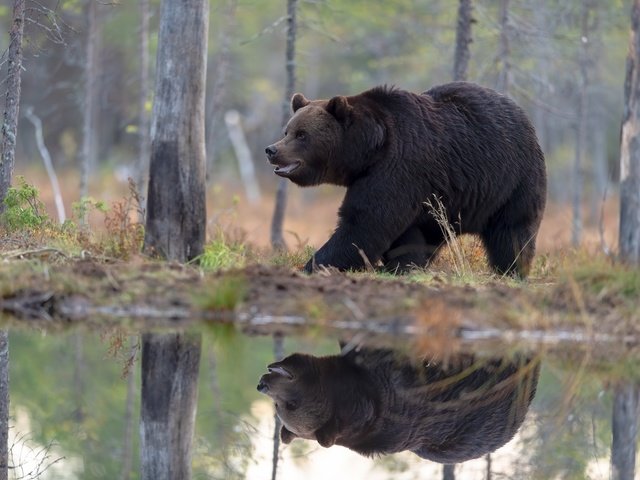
x: 504, y: 52
x: 448, y: 472
x: 581, y: 124
x: 625, y: 431
x: 78, y: 377
x: 540, y: 53
x: 629, y: 240
x: 175, y: 230
x: 278, y: 354
x: 12, y: 100
x: 143, y: 96
x: 127, y: 440
x: 277, y: 237
x: 221, y: 70
x: 176, y: 217
x: 48, y: 164
x: 625, y: 406
x: 170, y: 364
x: 243, y: 155
x: 88, y: 111
x: 7, y: 160
x: 463, y: 40
x: 488, y: 473
x: 599, y: 170
x: 4, y: 404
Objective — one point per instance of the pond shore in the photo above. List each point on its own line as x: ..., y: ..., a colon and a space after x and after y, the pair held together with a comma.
x: 47, y: 290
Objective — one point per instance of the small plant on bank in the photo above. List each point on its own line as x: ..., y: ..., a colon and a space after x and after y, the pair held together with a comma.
x: 125, y: 225
x: 220, y: 254
x: 86, y: 205
x: 23, y: 208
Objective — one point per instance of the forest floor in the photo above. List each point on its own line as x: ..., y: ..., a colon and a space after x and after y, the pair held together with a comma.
x: 52, y: 278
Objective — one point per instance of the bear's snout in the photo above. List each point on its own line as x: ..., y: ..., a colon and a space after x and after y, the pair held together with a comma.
x: 271, y: 150
x: 263, y: 387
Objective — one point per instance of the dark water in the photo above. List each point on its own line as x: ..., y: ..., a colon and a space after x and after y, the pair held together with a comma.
x: 75, y: 400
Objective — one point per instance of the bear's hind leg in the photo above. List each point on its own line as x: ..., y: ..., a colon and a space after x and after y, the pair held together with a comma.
x: 510, y: 249
x: 408, y: 251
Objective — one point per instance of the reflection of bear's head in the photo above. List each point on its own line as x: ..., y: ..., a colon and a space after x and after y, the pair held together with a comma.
x: 296, y: 385
x: 377, y: 401
x: 326, y: 141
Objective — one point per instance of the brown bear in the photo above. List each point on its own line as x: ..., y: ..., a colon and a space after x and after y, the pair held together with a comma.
x: 378, y: 401
x: 463, y: 145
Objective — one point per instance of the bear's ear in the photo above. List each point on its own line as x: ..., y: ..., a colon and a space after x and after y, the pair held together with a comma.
x: 339, y: 107
x: 298, y: 101
x: 286, y: 435
x: 328, y: 433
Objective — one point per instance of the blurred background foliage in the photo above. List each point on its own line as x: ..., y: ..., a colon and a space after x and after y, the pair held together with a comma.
x: 343, y: 47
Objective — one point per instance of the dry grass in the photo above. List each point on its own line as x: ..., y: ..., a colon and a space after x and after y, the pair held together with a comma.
x: 310, y: 220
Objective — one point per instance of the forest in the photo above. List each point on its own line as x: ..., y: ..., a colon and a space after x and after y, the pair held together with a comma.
x: 153, y: 268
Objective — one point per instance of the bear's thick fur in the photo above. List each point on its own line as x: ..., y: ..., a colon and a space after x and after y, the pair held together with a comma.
x: 463, y: 145
x: 377, y: 401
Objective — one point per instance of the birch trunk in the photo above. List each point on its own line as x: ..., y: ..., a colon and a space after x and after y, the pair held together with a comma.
x: 243, y: 155
x: 221, y: 72
x: 48, y: 164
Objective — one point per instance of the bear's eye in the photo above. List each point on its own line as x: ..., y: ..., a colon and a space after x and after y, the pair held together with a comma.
x: 291, y: 405
x: 301, y: 134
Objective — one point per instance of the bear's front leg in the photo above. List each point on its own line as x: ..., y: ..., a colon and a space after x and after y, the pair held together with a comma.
x: 370, y: 219
x: 345, y: 250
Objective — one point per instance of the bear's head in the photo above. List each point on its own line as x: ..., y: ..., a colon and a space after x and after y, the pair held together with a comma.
x: 325, y: 141
x: 301, y: 387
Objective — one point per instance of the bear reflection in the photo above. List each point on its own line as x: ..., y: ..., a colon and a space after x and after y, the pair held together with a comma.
x: 377, y: 401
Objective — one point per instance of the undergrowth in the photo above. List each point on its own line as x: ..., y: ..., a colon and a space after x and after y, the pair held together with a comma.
x: 23, y: 208
x: 25, y: 218
x: 461, y: 261
x: 600, y: 275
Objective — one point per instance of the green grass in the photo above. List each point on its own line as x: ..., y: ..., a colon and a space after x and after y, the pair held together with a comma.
x: 293, y: 259
x: 222, y: 255
x: 600, y: 275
